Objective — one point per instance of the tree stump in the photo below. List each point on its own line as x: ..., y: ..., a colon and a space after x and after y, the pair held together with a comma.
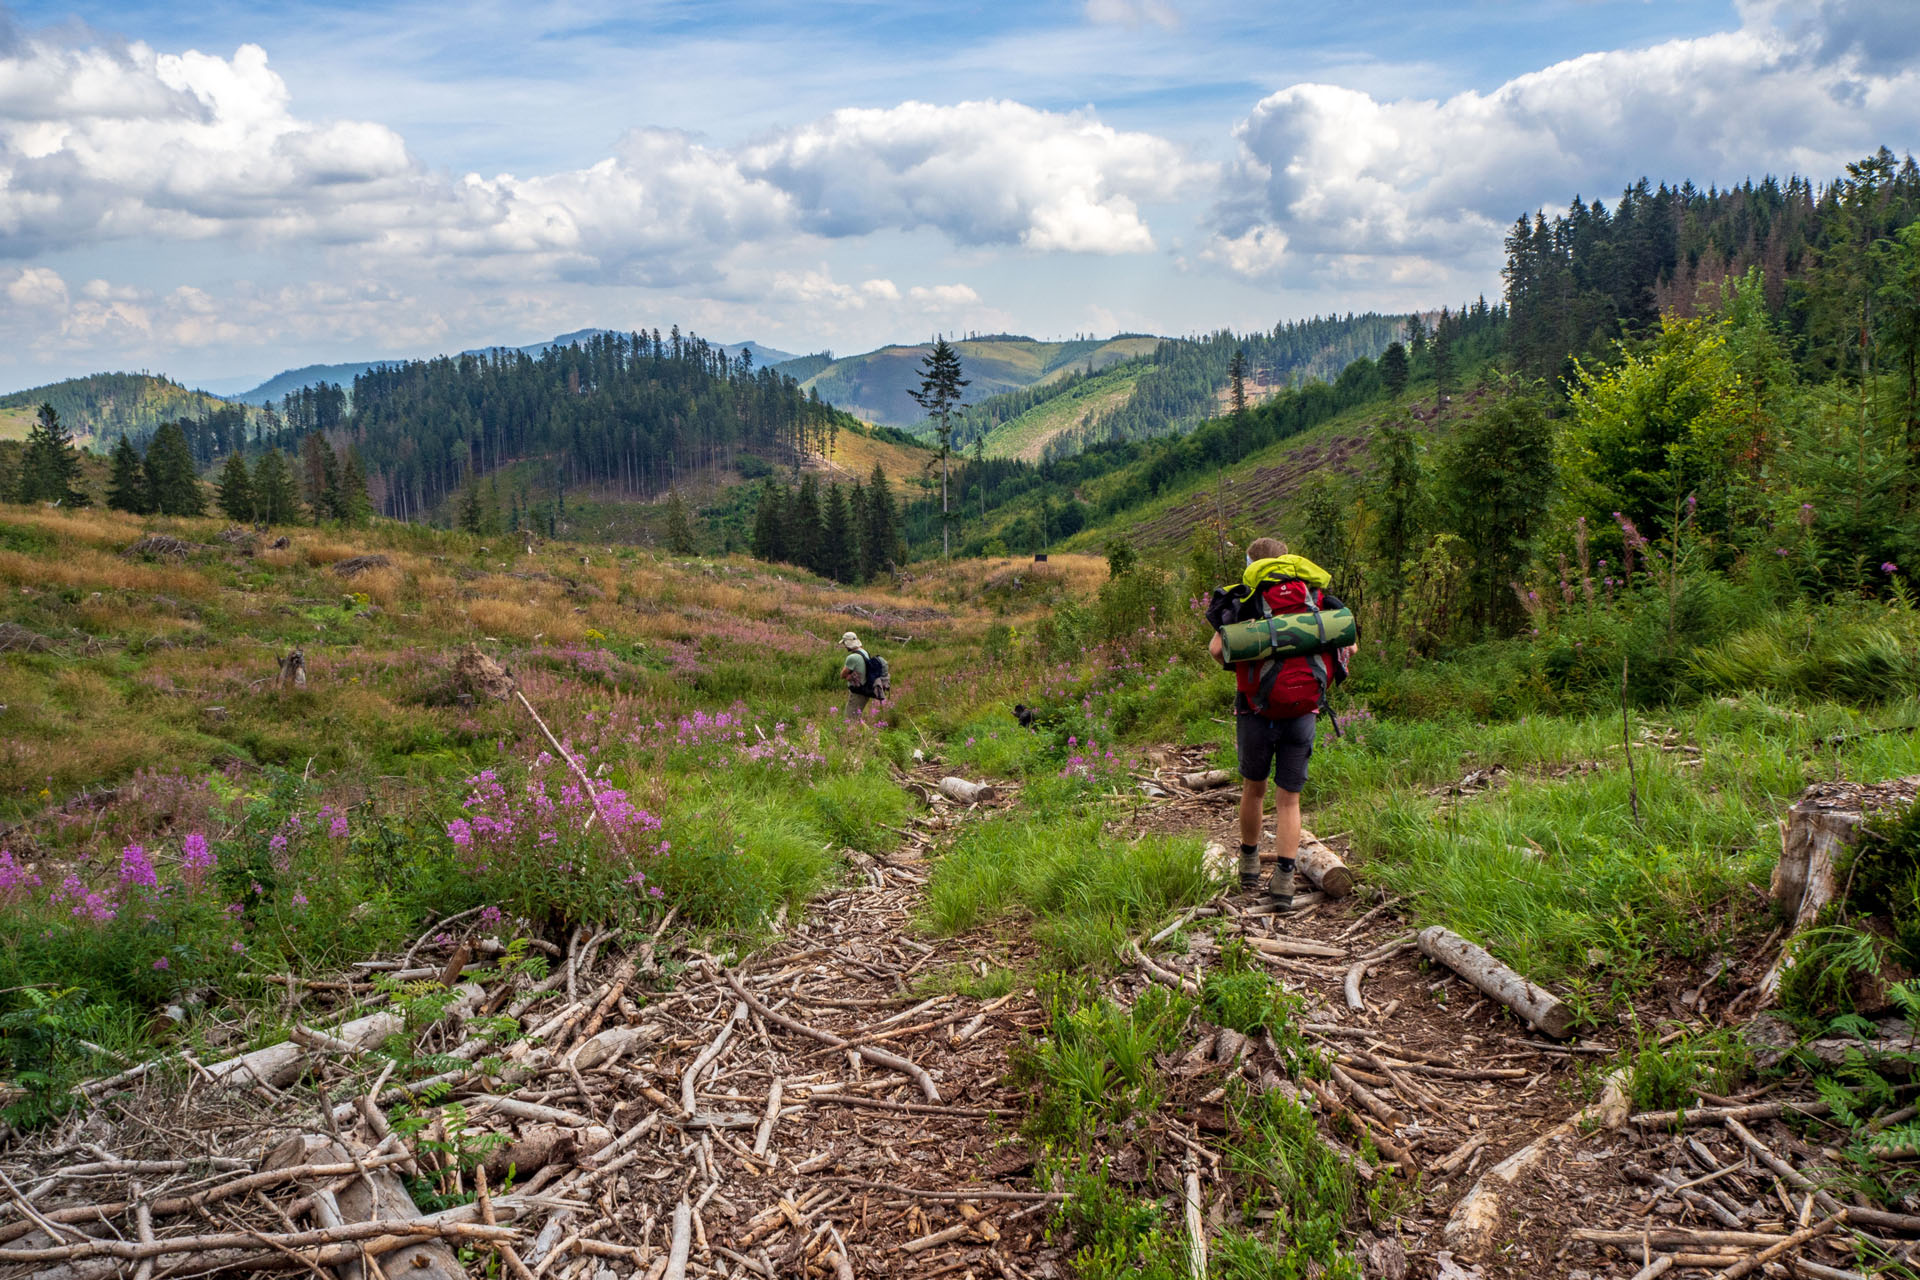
x: 1823, y: 824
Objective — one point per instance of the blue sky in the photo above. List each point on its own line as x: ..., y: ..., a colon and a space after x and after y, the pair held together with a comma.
x: 219, y: 191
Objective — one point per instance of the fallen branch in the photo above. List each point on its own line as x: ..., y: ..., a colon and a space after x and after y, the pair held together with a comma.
x: 399, y: 1232
x: 1720, y: 1115
x: 1747, y: 1266
x: 877, y: 1056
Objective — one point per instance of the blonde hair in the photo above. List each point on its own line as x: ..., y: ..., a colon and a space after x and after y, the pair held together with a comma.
x: 1266, y: 548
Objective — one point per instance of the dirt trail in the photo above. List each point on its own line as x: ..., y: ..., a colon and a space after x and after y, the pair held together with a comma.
x: 884, y: 1166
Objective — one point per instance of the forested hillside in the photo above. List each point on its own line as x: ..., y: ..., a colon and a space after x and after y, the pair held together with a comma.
x: 103, y: 405
x: 626, y: 413
x: 1577, y: 281
x: 1180, y: 383
x: 874, y: 385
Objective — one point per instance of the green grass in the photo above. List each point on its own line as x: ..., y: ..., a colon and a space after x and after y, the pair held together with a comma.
x: 1084, y: 891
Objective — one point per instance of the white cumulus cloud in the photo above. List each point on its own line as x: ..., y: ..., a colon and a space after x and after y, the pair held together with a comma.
x: 983, y: 172
x: 1323, y: 170
x: 101, y: 141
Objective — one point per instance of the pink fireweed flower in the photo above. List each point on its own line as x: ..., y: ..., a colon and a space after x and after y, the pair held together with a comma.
x: 299, y: 899
x: 195, y: 858
x: 1889, y: 567
x: 88, y: 904
x: 338, y: 827
x: 161, y: 963
x: 491, y: 915
x: 136, y: 868
x: 14, y: 878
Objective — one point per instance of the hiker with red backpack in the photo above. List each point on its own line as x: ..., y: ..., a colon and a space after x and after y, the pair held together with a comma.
x: 1288, y: 641
x: 866, y: 675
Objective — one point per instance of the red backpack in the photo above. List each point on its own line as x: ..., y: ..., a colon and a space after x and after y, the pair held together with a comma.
x: 1286, y: 688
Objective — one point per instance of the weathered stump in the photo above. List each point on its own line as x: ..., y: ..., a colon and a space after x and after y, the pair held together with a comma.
x: 1823, y: 824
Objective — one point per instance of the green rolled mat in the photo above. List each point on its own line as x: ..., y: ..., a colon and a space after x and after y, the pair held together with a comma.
x: 1290, y: 635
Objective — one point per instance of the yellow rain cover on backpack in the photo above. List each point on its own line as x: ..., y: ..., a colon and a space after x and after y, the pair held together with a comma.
x: 1285, y: 567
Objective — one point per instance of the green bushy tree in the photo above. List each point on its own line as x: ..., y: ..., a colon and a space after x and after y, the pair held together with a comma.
x: 276, y: 495
x: 173, y: 482
x: 235, y: 489
x: 1497, y: 477
x: 127, y: 484
x: 50, y: 467
x: 680, y: 539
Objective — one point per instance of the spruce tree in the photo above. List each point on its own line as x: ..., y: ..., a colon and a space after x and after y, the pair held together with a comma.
x: 320, y: 477
x: 839, y: 549
x: 680, y: 539
x: 50, y: 469
x: 1399, y: 495
x: 127, y: 486
x: 769, y: 525
x: 276, y: 495
x: 1237, y: 382
x: 354, y: 505
x: 235, y: 489
x: 881, y: 543
x: 939, y: 396
x: 804, y: 536
x: 472, y: 518
x: 173, y: 484
x: 1498, y: 477
x: 1393, y: 368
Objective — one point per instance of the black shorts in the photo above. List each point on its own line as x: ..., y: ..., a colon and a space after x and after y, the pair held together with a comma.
x: 1279, y: 748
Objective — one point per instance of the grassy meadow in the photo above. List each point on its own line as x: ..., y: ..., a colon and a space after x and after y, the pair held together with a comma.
x: 180, y: 826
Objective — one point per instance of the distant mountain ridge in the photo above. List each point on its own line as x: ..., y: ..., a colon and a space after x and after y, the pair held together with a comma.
x: 276, y: 388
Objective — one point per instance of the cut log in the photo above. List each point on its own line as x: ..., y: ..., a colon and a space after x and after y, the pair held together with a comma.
x: 964, y: 792
x: 379, y: 1196
x: 1323, y: 867
x: 1474, y: 1228
x: 1206, y: 779
x: 1534, y: 1003
x: 1818, y: 830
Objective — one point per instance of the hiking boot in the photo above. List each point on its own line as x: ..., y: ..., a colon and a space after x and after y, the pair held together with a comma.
x: 1249, y: 872
x: 1280, y: 890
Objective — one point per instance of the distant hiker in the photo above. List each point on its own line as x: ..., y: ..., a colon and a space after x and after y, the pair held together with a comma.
x: 867, y: 676
x: 1279, y: 690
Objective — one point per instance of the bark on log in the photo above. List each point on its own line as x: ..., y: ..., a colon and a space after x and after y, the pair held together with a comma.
x: 1206, y: 779
x: 1323, y: 867
x: 380, y: 1196
x: 1534, y: 1003
x: 959, y: 789
x: 1818, y: 830
x: 1473, y: 1229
